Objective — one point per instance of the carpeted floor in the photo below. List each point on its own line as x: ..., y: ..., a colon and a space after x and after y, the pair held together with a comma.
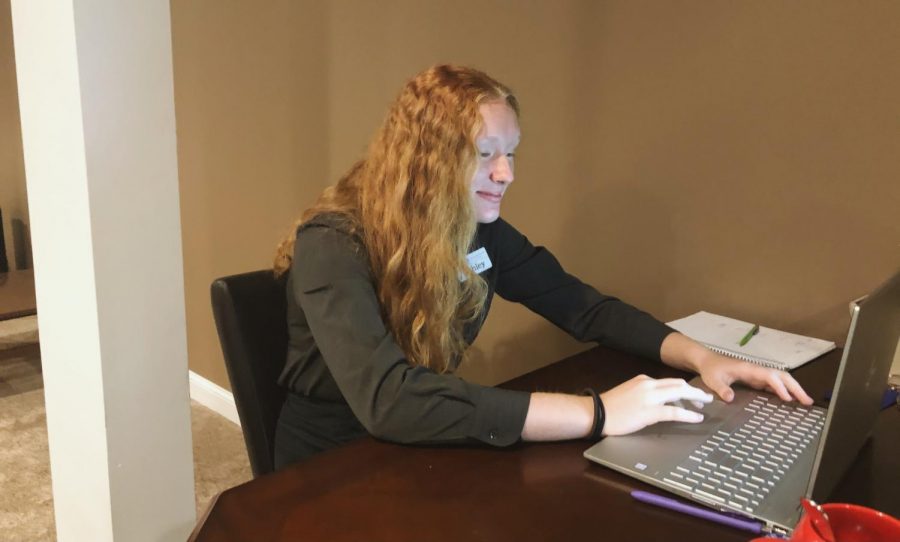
x: 26, y: 503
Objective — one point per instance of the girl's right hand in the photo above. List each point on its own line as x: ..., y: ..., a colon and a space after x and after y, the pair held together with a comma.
x: 642, y: 401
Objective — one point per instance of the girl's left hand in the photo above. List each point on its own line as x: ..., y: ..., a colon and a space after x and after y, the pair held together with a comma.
x: 719, y: 372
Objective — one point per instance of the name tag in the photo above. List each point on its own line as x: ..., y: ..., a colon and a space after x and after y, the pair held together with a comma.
x: 479, y: 261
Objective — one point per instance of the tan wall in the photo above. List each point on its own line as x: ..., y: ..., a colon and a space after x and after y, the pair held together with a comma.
x: 251, y: 114
x: 13, y: 200
x: 735, y: 157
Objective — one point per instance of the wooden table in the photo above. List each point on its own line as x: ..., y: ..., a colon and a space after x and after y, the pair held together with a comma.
x: 371, y: 490
x: 17, y: 294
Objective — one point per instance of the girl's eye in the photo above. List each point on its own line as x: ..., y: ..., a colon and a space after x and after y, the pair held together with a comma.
x: 510, y: 155
x: 485, y: 154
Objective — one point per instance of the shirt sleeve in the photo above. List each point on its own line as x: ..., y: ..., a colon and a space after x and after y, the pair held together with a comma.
x: 532, y: 276
x: 393, y: 399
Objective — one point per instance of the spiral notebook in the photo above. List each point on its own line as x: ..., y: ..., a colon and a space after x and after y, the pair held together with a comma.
x: 769, y: 347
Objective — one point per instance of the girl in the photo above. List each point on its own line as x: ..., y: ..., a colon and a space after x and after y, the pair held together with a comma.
x: 391, y: 275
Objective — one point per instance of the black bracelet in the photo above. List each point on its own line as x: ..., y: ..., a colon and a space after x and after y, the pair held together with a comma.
x: 599, y: 415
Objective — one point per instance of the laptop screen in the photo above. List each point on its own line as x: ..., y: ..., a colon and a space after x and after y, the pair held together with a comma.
x: 855, y: 403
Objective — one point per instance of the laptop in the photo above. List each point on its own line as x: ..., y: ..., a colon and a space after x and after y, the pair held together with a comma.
x: 758, y: 456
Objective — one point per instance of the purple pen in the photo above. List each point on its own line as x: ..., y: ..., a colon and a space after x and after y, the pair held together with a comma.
x: 696, y: 511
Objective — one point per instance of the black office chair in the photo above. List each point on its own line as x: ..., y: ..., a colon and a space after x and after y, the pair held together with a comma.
x: 250, y: 313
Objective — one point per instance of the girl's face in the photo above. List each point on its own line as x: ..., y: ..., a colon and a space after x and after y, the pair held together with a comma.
x: 496, y: 142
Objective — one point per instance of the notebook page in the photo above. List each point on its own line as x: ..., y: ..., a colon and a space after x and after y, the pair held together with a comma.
x: 768, y: 347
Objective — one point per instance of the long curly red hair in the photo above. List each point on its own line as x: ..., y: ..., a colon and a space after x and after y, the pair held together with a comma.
x: 408, y: 199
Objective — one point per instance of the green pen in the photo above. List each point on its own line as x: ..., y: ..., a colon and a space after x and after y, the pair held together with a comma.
x: 753, y: 331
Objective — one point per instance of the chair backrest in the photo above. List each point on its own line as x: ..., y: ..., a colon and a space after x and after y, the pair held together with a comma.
x: 250, y: 310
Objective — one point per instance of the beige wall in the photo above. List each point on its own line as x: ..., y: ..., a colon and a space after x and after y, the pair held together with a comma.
x: 734, y: 157
x: 13, y: 199
x: 251, y: 115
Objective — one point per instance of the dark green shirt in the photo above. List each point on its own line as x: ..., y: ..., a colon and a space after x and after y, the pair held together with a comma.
x: 341, y: 354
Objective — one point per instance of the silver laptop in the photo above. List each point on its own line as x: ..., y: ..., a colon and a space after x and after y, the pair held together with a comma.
x: 758, y: 456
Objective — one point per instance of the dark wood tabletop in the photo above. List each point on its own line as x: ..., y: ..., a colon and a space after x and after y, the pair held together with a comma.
x: 371, y: 490
x: 17, y: 294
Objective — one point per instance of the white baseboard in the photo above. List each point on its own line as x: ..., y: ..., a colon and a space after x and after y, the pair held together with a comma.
x: 213, y: 397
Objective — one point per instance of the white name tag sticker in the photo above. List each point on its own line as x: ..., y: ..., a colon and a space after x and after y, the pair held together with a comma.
x: 479, y: 261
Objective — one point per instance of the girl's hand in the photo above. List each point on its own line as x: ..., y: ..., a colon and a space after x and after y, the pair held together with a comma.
x: 719, y: 372
x: 641, y: 401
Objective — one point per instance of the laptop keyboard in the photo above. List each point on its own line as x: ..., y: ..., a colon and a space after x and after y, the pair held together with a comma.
x: 749, y: 455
